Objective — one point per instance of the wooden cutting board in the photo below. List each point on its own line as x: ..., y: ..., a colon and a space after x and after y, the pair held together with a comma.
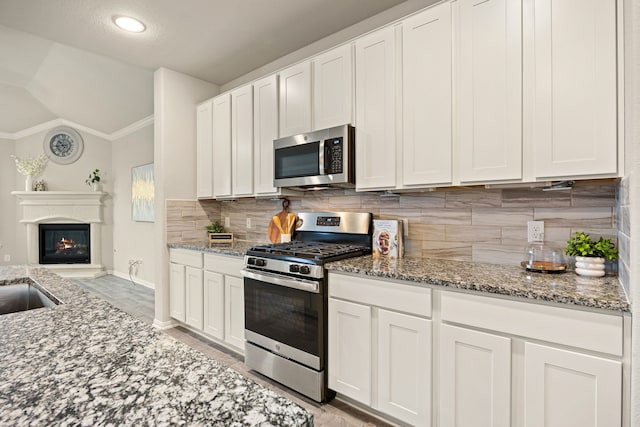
x: 274, y: 231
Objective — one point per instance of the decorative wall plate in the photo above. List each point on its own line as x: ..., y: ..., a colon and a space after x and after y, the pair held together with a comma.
x: 63, y: 145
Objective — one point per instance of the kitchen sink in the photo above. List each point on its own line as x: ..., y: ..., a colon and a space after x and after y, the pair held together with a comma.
x: 22, y: 297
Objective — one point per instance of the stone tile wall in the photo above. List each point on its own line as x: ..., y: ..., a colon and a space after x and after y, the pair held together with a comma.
x: 624, y: 232
x: 472, y: 223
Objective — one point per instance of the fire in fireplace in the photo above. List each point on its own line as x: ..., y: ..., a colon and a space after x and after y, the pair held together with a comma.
x: 64, y: 244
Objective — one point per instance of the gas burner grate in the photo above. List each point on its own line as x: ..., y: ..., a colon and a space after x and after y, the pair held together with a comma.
x: 310, y: 250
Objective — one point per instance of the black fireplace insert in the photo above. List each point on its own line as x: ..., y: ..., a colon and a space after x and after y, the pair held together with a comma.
x: 64, y: 244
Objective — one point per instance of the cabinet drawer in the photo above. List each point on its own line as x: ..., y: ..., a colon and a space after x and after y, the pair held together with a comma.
x: 223, y: 264
x: 395, y: 296
x: 578, y: 328
x: 186, y: 257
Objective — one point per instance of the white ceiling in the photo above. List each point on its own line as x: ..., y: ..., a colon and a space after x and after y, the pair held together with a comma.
x: 65, y: 58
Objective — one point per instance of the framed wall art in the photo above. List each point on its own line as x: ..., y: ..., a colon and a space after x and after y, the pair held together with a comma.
x: 142, y: 193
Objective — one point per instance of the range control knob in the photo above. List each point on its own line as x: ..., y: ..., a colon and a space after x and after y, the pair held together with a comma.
x: 304, y: 269
x: 294, y: 268
x: 260, y: 262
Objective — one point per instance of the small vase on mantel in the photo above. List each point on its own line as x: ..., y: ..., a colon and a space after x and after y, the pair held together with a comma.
x: 590, y: 266
x: 28, y: 183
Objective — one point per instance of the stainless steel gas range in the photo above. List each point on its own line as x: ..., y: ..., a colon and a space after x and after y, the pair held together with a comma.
x: 285, y: 294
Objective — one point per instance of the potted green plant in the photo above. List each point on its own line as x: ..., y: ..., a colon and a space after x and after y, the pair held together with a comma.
x: 591, y: 255
x: 94, y: 180
x: 216, y: 233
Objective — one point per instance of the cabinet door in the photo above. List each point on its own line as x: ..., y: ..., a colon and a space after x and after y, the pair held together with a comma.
x: 404, y: 367
x: 375, y: 110
x: 565, y: 389
x: 575, y: 104
x: 349, y: 364
x: 475, y: 378
x: 177, y: 291
x: 333, y: 88
x: 265, y: 130
x: 489, y: 125
x: 214, y: 304
x: 242, y: 141
x: 193, y: 294
x: 222, y: 146
x: 204, y: 150
x: 426, y: 92
x: 234, y: 311
x: 295, y: 99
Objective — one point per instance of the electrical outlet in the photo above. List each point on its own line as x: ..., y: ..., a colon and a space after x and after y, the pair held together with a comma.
x: 405, y: 227
x: 227, y: 221
x: 248, y: 222
x: 535, y: 231
x: 7, y: 258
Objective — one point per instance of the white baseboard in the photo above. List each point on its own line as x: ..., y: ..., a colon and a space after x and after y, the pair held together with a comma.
x: 162, y: 325
x: 135, y: 279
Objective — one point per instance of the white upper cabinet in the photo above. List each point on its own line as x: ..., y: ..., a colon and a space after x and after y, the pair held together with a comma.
x: 204, y: 150
x: 426, y: 92
x: 376, y: 110
x: 489, y: 90
x: 242, y: 141
x: 333, y: 88
x: 222, y: 145
x: 265, y: 130
x: 571, y: 46
x: 295, y: 99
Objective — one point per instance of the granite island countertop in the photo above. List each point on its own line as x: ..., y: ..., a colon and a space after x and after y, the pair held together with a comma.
x: 85, y: 362
x: 565, y: 288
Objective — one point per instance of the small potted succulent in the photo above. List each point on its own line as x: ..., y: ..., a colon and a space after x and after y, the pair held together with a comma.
x: 216, y: 233
x: 591, y: 255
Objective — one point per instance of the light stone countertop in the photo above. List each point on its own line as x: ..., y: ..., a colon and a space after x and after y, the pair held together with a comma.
x: 237, y: 248
x: 565, y: 288
x: 85, y: 362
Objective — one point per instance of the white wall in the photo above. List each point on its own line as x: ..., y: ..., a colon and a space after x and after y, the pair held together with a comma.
x: 131, y: 239
x: 175, y: 99
x: 7, y: 202
x: 96, y: 155
x: 632, y: 167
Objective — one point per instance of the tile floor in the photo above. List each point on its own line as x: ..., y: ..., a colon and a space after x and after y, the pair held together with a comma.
x: 138, y: 301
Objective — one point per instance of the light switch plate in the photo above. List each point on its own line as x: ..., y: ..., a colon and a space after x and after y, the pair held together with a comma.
x: 535, y: 231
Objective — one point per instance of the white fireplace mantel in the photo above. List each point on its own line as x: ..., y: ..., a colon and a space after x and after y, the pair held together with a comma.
x: 55, y: 207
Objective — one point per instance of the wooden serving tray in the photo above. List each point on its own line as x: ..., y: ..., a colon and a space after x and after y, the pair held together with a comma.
x: 544, y: 267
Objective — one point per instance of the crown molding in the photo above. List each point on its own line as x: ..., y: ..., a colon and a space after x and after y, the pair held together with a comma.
x: 42, y: 127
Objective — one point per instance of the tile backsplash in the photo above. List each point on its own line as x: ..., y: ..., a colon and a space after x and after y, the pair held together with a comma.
x: 461, y: 223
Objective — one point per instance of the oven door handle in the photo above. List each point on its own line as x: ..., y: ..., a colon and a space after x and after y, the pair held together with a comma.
x: 274, y: 279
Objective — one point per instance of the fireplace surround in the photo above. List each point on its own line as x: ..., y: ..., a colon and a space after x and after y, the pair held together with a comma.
x: 64, y: 207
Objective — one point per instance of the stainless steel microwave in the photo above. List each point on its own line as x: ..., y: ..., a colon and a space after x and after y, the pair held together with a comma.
x: 316, y: 159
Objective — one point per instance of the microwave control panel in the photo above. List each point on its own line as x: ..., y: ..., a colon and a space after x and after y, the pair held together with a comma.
x: 333, y: 155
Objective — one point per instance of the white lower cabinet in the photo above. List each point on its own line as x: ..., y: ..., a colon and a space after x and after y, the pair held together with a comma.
x: 475, y: 378
x: 206, y: 293
x: 404, y: 355
x: 496, y: 362
x: 214, y: 303
x: 378, y: 356
x: 234, y: 311
x: 193, y: 300
x: 350, y: 349
x: 177, y: 291
x: 570, y: 389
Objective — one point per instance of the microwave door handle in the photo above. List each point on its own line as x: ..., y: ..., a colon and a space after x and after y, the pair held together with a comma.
x: 327, y: 156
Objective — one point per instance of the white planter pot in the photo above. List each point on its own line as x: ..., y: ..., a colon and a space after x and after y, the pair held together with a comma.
x: 28, y: 183
x: 590, y: 266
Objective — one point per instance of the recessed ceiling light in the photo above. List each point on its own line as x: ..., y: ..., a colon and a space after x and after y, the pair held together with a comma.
x: 128, y: 23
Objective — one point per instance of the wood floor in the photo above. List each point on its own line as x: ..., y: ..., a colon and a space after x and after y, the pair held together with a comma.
x: 138, y: 301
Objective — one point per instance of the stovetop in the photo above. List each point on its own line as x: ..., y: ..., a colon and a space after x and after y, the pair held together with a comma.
x: 318, y: 252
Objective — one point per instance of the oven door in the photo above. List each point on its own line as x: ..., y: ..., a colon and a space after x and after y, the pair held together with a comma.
x: 285, y: 316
